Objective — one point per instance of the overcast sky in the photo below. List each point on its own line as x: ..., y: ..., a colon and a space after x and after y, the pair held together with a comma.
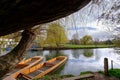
x: 85, y: 22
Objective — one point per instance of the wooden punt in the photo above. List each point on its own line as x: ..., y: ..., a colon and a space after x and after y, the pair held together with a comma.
x: 42, y: 69
x: 22, y: 66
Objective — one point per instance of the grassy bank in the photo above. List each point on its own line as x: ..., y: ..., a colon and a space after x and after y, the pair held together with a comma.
x: 87, y: 46
x: 72, y: 46
x: 114, y: 72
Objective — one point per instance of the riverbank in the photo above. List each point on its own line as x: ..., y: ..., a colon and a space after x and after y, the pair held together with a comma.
x: 88, y: 76
x: 71, y: 46
x: 87, y: 46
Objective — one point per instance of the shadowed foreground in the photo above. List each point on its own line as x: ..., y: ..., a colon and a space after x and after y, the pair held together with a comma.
x: 19, y: 15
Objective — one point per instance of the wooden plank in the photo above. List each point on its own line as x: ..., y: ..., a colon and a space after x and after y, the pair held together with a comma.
x: 80, y: 77
x: 9, y: 78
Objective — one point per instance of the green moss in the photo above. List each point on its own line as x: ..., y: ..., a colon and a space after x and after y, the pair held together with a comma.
x: 114, y: 72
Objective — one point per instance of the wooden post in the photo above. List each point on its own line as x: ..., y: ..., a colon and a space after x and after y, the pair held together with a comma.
x: 106, y: 66
x: 111, y: 64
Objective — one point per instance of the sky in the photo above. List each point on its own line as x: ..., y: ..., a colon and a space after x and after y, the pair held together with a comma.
x: 85, y: 22
x: 97, y: 32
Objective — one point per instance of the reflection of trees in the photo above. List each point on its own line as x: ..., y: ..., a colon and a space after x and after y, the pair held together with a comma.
x: 34, y: 53
x: 117, y: 51
x: 76, y: 53
x: 88, y: 52
x: 54, y: 53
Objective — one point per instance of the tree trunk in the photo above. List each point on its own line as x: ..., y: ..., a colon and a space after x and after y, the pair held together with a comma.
x: 10, y: 60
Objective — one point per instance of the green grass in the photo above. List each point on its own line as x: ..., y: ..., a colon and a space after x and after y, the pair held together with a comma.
x: 87, y: 46
x: 114, y: 72
x: 86, y: 72
x: 68, y: 75
x: 54, y: 77
x: 101, y: 72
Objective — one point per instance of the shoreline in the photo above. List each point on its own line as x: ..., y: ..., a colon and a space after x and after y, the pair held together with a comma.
x: 67, y: 47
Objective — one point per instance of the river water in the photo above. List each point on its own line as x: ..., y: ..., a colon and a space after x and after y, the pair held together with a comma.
x: 80, y: 60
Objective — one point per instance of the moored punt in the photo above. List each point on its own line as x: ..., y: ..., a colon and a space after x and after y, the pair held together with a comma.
x: 42, y: 69
x: 22, y: 66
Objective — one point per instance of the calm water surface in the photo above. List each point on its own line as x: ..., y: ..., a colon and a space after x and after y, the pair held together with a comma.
x: 81, y: 59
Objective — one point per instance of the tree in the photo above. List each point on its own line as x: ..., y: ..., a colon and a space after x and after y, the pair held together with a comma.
x: 56, y: 35
x: 116, y: 42
x: 41, y: 31
x: 12, y: 58
x: 75, y: 39
x: 111, y: 18
x: 108, y: 42
x: 23, y: 15
x: 87, y: 39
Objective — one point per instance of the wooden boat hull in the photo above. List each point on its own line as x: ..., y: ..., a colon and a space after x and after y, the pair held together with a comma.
x: 22, y: 66
x: 42, y: 69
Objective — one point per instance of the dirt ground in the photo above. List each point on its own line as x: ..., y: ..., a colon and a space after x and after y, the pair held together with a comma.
x: 99, y: 76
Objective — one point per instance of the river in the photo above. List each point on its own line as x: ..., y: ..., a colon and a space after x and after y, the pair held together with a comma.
x: 80, y: 60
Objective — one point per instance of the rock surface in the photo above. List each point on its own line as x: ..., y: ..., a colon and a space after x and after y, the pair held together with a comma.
x: 18, y: 15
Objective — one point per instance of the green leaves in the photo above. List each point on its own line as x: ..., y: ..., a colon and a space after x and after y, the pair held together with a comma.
x: 86, y: 40
x: 55, y: 35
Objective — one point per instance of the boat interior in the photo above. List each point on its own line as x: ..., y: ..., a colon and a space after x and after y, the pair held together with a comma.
x: 40, y: 68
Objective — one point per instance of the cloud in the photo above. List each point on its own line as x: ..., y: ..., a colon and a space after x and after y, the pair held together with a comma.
x: 87, y: 23
x: 94, y: 32
x: 81, y: 28
x: 117, y: 29
x: 102, y: 35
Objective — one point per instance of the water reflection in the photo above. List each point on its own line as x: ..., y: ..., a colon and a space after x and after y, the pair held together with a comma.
x: 54, y: 53
x: 76, y: 53
x: 117, y: 51
x: 88, y: 52
x: 82, y: 59
x: 34, y: 53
